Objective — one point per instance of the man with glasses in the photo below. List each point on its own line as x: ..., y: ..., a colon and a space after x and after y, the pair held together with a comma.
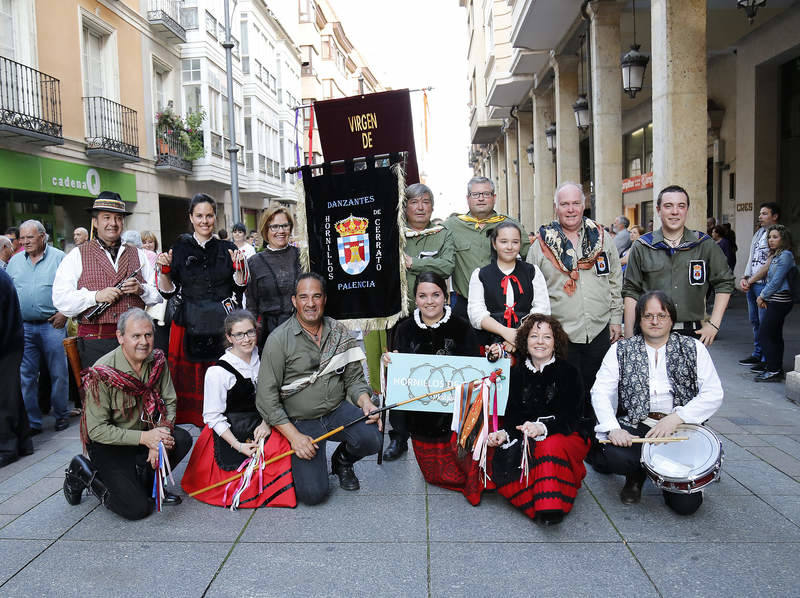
x: 471, y: 237
x: 682, y: 262
x: 647, y: 386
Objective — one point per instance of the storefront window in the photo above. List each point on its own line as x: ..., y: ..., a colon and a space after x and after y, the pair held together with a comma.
x: 638, y: 150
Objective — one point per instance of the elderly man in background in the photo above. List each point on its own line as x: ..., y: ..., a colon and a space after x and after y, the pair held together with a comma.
x: 470, y: 237
x: 33, y: 272
x: 6, y: 251
x: 80, y: 235
x: 622, y: 239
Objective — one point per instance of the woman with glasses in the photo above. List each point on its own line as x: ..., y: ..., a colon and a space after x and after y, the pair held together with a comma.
x: 273, y: 273
x: 234, y: 427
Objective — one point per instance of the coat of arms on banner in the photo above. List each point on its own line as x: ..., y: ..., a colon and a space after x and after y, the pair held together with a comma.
x: 353, y: 244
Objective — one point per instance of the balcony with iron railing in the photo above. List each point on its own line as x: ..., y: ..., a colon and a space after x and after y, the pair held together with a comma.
x: 165, y: 19
x: 30, y: 105
x: 111, y: 130
x: 172, y: 152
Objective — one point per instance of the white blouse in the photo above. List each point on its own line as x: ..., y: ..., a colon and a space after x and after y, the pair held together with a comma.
x: 476, y: 306
x: 217, y: 384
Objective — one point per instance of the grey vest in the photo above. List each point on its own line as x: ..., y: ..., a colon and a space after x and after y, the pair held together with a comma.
x: 634, y: 379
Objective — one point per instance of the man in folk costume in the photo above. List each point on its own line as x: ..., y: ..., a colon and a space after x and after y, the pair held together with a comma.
x: 683, y: 262
x: 429, y: 248
x: 311, y: 381
x: 584, y: 279
x: 470, y: 237
x: 648, y: 385
x: 129, y: 415
x: 103, y: 271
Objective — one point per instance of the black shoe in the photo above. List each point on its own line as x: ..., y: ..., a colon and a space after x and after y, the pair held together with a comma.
x: 342, y: 466
x: 7, y: 459
x: 631, y: 492
x: 769, y: 377
x: 759, y: 367
x: 548, y: 518
x: 36, y: 431
x: 396, y: 448
x: 62, y: 424
x: 171, y: 499
x: 81, y: 471
x: 750, y: 360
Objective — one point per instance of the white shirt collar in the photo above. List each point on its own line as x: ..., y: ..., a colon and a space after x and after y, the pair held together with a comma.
x: 424, y: 326
x: 240, y: 364
x: 199, y: 242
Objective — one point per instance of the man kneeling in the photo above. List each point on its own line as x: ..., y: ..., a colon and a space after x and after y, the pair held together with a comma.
x: 653, y: 381
x: 309, y: 367
x: 129, y: 408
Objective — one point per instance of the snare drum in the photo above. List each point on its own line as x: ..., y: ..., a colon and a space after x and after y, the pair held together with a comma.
x: 687, y: 466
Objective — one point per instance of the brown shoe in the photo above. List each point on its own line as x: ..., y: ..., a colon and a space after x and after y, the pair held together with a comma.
x: 631, y: 492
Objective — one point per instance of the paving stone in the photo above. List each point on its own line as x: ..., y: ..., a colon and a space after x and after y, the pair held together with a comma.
x: 397, y: 477
x: 748, y: 440
x: 788, y: 506
x: 452, y: 519
x: 762, y: 478
x: 4, y: 519
x: 734, y: 452
x: 724, y: 425
x: 354, y: 517
x: 777, y: 458
x: 25, y: 478
x: 49, y: 519
x: 17, y: 554
x: 772, y: 429
x: 32, y: 496
x: 707, y: 569
x: 604, y: 569
x: 787, y: 444
x: 320, y: 569
x: 133, y: 568
x: 177, y: 523
x: 719, y: 519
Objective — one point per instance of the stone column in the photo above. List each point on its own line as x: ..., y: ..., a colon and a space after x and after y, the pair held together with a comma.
x: 544, y: 169
x: 524, y: 137
x: 680, y: 118
x: 606, y: 98
x: 568, y: 168
x: 512, y: 169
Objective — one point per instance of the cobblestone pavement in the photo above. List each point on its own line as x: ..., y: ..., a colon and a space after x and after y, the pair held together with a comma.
x: 399, y: 536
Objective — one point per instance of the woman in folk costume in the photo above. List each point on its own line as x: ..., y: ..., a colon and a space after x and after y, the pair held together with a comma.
x: 274, y: 273
x: 234, y: 428
x: 506, y: 290
x: 538, y: 459
x: 210, y: 276
x: 434, y: 330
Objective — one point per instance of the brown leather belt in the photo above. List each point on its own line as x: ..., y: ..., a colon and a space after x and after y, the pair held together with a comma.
x: 657, y: 416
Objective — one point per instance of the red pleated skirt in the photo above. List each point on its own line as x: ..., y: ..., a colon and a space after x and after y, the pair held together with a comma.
x: 441, y: 466
x: 203, y: 471
x: 188, y: 377
x: 554, y: 477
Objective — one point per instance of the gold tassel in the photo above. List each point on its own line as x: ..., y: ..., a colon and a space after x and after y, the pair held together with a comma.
x: 302, y: 228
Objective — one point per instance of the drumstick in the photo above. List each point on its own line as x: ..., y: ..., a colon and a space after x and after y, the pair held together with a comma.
x: 643, y: 440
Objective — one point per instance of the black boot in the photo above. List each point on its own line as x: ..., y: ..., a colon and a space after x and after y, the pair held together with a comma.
x: 81, y: 475
x: 342, y: 466
x: 396, y: 447
x: 632, y: 490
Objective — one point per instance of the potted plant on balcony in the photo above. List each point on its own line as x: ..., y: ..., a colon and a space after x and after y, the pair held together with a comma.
x: 192, y: 136
x: 167, y: 122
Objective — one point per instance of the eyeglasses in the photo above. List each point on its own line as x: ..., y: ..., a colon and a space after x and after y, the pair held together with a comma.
x: 484, y: 194
x: 276, y: 227
x: 651, y: 317
x: 240, y: 335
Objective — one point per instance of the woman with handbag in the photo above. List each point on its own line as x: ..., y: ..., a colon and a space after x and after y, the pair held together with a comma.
x: 210, y: 276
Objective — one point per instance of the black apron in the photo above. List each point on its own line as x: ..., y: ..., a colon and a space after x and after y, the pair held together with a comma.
x: 242, y: 415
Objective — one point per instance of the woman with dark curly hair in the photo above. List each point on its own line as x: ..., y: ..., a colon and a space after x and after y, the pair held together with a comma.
x: 538, y: 462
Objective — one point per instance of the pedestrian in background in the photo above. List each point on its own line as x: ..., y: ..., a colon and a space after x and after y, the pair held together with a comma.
x: 718, y: 234
x: 6, y: 251
x: 239, y: 233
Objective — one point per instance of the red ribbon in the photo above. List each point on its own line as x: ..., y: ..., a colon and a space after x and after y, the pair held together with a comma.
x: 510, y: 316
x: 505, y: 281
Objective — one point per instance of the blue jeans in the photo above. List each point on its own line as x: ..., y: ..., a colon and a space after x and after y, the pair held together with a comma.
x: 756, y: 314
x: 42, y: 340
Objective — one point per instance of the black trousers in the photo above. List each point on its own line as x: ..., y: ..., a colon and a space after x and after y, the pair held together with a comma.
x: 129, y: 477
x: 311, y: 475
x: 15, y: 432
x: 587, y: 359
x: 625, y: 460
x: 770, y: 333
x: 399, y: 421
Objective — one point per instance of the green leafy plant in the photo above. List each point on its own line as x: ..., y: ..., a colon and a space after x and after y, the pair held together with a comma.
x: 192, y: 134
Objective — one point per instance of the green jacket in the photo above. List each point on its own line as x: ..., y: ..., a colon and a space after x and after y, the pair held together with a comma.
x: 116, y: 417
x: 474, y: 250
x: 434, y: 253
x: 685, y: 274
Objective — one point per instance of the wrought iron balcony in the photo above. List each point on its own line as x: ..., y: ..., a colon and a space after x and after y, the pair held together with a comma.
x: 171, y: 153
x: 165, y: 19
x: 111, y: 130
x: 30, y: 104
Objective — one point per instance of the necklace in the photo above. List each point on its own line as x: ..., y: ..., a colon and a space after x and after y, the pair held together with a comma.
x: 314, y: 335
x: 673, y: 242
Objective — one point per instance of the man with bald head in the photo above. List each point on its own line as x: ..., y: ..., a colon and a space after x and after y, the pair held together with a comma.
x: 33, y: 272
x: 80, y: 235
x: 6, y: 251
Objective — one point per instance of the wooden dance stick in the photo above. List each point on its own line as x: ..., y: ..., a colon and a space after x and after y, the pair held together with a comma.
x: 331, y: 433
x: 644, y: 440
x: 73, y: 357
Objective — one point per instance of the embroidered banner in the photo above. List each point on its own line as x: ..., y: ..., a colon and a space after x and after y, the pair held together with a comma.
x: 410, y: 376
x: 368, y: 125
x: 354, y: 238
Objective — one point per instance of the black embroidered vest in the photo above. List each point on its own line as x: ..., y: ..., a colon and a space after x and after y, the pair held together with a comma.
x: 491, y: 278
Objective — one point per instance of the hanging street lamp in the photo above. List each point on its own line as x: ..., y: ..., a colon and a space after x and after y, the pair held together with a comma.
x: 634, y: 64
x: 529, y: 152
x: 750, y: 7
x: 550, y: 135
x: 581, y: 108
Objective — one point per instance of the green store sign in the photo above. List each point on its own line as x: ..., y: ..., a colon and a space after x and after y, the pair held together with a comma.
x: 34, y: 173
